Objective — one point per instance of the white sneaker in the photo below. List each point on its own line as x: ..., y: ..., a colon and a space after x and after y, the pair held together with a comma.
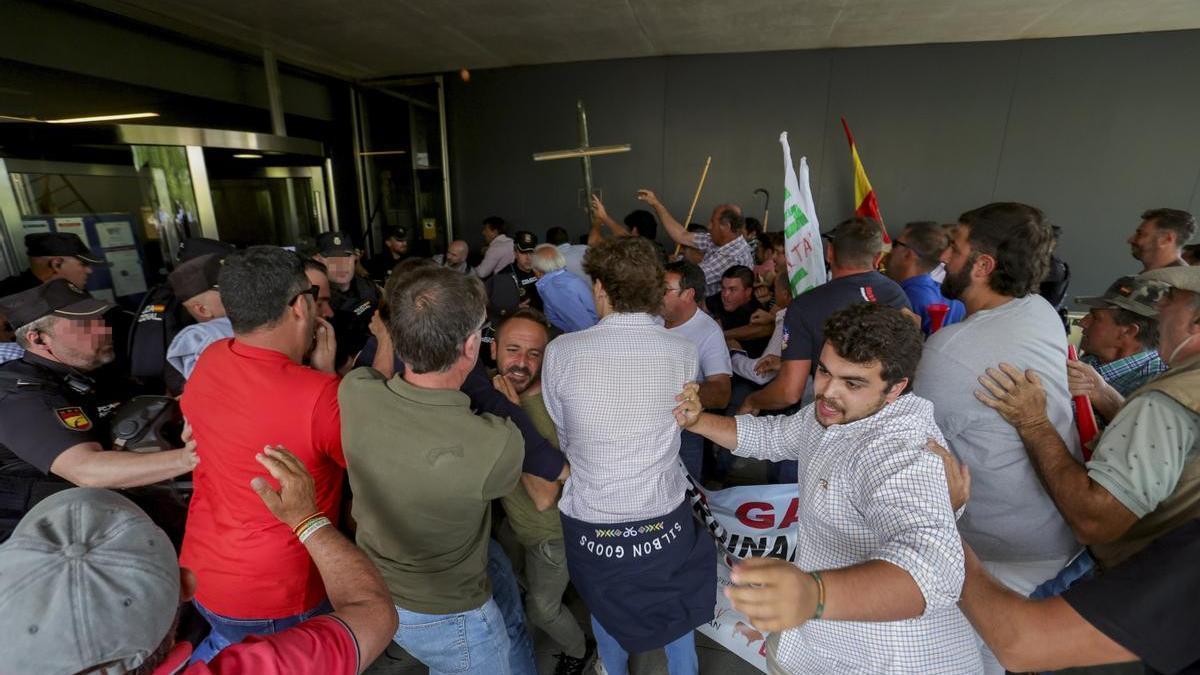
x: 600, y: 667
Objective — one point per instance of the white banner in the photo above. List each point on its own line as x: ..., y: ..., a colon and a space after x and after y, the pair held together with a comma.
x: 802, y: 233
x: 748, y: 521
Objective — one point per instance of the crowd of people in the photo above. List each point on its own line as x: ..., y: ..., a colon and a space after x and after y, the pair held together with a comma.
x: 289, y: 458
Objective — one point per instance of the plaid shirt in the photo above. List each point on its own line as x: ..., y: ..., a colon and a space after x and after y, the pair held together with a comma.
x: 869, y: 490
x: 717, y: 259
x: 10, y: 351
x: 1128, y: 374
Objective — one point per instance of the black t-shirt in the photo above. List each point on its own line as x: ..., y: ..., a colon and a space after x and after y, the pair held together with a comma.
x: 40, y: 416
x: 508, y: 288
x: 1147, y: 604
x: 804, y: 323
x: 352, y: 312
x: 380, y: 266
x: 736, y: 319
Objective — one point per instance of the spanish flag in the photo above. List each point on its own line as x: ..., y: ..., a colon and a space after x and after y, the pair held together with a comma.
x: 865, y: 204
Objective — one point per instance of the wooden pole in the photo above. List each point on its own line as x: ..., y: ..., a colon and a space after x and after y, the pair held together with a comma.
x: 696, y: 198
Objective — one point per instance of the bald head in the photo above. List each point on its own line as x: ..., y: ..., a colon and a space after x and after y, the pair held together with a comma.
x: 457, y: 253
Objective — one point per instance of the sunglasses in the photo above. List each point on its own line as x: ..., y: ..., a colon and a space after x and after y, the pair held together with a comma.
x: 312, y: 290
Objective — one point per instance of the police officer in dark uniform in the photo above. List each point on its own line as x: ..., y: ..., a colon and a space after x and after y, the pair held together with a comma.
x: 53, y: 255
x: 354, y: 298
x: 516, y: 285
x: 395, y: 249
x: 53, y: 420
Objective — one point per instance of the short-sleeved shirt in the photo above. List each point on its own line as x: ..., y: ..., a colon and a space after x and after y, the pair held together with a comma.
x: 738, y: 318
x: 704, y: 332
x: 804, y: 323
x: 424, y: 470
x: 1128, y: 374
x: 239, y: 399
x: 1148, y: 603
x: 1141, y: 455
x: 717, y: 259
x: 320, y: 646
x: 40, y: 417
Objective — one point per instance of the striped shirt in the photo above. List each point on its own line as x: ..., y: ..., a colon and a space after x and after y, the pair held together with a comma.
x: 611, y: 391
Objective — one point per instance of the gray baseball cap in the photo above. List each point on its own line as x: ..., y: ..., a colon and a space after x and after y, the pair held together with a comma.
x: 1182, y: 277
x: 1136, y: 294
x: 88, y: 580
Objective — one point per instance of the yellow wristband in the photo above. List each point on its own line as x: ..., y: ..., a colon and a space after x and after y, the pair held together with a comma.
x: 820, y: 595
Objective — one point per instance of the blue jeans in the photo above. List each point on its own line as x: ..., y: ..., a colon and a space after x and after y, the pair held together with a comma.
x: 229, y: 631
x: 507, y: 595
x: 681, y: 654
x: 691, y: 451
x: 472, y: 642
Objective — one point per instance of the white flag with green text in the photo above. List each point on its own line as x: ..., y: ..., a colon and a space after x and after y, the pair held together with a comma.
x: 805, y: 252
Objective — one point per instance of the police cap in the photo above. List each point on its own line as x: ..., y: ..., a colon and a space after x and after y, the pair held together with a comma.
x: 58, y: 297
x: 67, y: 244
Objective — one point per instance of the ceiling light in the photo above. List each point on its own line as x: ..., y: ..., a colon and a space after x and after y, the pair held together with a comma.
x: 247, y: 155
x: 103, y: 118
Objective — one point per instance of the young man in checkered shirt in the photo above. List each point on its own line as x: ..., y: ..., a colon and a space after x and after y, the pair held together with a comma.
x: 879, y: 563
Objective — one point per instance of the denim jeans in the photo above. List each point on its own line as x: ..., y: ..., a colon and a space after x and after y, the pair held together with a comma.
x: 681, y: 654
x: 691, y: 451
x: 229, y: 631
x: 472, y: 642
x: 507, y: 596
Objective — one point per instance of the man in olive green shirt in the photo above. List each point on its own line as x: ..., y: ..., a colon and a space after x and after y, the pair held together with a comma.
x: 424, y: 470
x: 520, y: 342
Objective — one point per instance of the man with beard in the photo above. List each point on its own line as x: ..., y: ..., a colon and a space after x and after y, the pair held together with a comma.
x: 1159, y: 239
x: 520, y: 343
x: 244, y: 394
x: 997, y: 256
x: 53, y: 421
x: 879, y: 565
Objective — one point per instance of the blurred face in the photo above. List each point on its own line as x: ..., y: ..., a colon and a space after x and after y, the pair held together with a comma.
x: 847, y: 391
x: 397, y: 246
x: 85, y: 344
x: 734, y: 294
x: 676, y: 301
x: 1102, y: 336
x: 960, y: 263
x: 456, y: 254
x: 1177, y: 322
x: 518, y: 352
x: 1145, y: 240
x: 341, y: 269
x: 324, y: 309
x: 524, y: 260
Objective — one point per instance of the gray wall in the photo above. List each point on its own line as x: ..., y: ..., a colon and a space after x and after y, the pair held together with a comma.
x: 1092, y: 130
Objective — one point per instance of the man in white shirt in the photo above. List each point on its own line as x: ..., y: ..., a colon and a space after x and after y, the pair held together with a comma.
x: 998, y: 255
x: 573, y: 253
x: 500, y: 253
x: 634, y: 551
x: 879, y: 564
x: 685, y: 283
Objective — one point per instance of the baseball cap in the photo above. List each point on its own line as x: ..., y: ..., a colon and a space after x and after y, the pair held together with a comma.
x: 196, y: 276
x: 198, y: 246
x: 334, y: 245
x: 525, y: 241
x: 90, y: 581
x: 45, y: 244
x: 1136, y: 294
x: 1182, y: 277
x: 58, y: 297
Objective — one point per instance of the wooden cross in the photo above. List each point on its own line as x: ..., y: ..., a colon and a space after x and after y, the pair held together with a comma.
x: 585, y: 153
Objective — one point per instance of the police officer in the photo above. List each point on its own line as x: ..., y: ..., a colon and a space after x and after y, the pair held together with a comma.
x: 53, y: 255
x: 354, y: 297
x: 395, y: 249
x: 53, y: 422
x: 515, y: 285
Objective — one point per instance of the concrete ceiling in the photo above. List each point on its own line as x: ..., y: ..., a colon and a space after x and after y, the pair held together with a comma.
x: 362, y: 39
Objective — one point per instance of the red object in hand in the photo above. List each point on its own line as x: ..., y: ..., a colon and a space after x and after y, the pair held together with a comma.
x: 937, y: 316
x: 1085, y: 417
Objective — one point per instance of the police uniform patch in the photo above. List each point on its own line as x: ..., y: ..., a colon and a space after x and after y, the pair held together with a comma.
x: 73, y: 418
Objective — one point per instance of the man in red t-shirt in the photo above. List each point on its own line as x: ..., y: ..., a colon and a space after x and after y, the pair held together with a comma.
x: 244, y: 394
x: 98, y: 586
